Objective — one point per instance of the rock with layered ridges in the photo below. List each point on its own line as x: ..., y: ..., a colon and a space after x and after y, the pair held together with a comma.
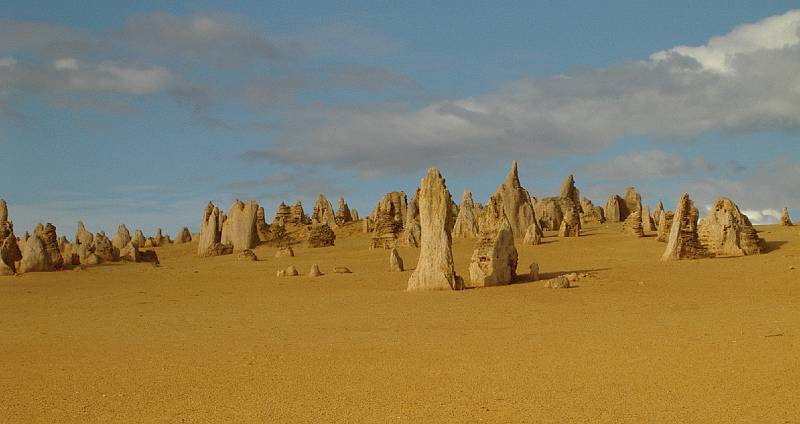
x: 515, y: 202
x: 386, y: 221
x: 684, y: 241
x: 138, y: 238
x: 550, y: 211
x: 494, y: 260
x: 569, y: 191
x: 395, y: 261
x: 570, y: 223
x: 396, y: 201
x: 262, y: 228
x: 323, y: 212
x: 435, y: 270
x: 239, y: 229
x: 209, y: 243
x: 121, y: 238
x: 82, y: 236
x: 591, y: 214
x: 298, y: 216
x: 10, y: 253
x: 633, y: 225
x: 283, y: 214
x: 103, y: 248
x: 615, y: 206
x: 49, y: 237
x: 343, y: 213
x: 726, y: 231
x: 285, y: 252
x: 786, y: 221
x: 664, y: 226
x: 321, y: 235
x: 466, y: 224
x: 633, y: 202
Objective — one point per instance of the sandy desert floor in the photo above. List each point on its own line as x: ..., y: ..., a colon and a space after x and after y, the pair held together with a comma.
x: 216, y: 340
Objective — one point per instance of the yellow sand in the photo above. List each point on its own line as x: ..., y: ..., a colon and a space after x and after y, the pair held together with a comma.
x: 215, y: 340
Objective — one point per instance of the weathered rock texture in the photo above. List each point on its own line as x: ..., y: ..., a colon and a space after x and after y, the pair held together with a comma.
x: 550, y: 211
x: 183, y: 236
x: 657, y: 213
x: 591, y: 214
x: 684, y: 242
x: 569, y: 191
x: 9, y: 253
x: 614, y: 209
x: 321, y: 235
x: 633, y: 225
x: 121, y: 238
x: 209, y: 243
x: 494, y: 261
x: 323, y: 212
x: 515, y: 202
x: 49, y: 237
x: 435, y: 271
x: 354, y: 215
x: 571, y: 222
x: 239, y: 229
x: 786, y: 221
x: 34, y: 256
x: 466, y: 224
x: 726, y: 231
x: 3, y: 211
x: 82, y: 236
x: 262, y: 228
x: 386, y: 220
x: 283, y: 214
x: 343, y: 213
x: 533, y: 235
x: 314, y: 272
x: 411, y: 225
x: 138, y: 239
x: 633, y: 202
x: 395, y: 261
x: 664, y: 226
x: 103, y: 248
x: 647, y: 221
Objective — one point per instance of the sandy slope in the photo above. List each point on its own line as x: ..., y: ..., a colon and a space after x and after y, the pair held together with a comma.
x: 217, y: 340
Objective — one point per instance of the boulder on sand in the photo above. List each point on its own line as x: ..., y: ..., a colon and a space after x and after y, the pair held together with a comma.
x: 684, y: 242
x: 726, y: 231
x: 494, y: 260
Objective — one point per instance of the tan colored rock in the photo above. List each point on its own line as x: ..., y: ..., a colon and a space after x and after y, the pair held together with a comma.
x: 342, y: 270
x: 657, y: 213
x: 386, y: 220
x: 534, y: 271
x: 298, y: 216
x: 50, y: 239
x: 321, y: 235
x: 211, y: 234
x: 684, y: 242
x: 515, y: 202
x: 647, y: 221
x: 103, y: 248
x: 314, y: 272
x: 239, y: 229
x: 571, y: 223
x: 283, y: 215
x: 466, y: 224
x: 726, y: 231
x: 354, y: 215
x: 246, y: 255
x: 494, y: 261
x: 121, y: 238
x: 560, y: 282
x: 129, y: 253
x: 10, y: 253
x: 591, y: 214
x: 183, y: 236
x: 633, y: 225
x: 343, y: 213
x: 34, y: 256
x: 138, y: 238
x: 396, y: 202
x: 3, y: 211
x: 323, y: 212
x: 435, y: 271
x: 395, y: 261
x: 533, y: 235
x: 412, y: 230
x: 366, y: 225
x: 569, y: 191
x: 633, y: 202
x: 786, y: 221
x: 284, y: 252
x: 614, y: 210
x: 664, y: 226
x: 262, y: 228
x: 291, y: 271
x: 82, y: 236
x: 160, y: 239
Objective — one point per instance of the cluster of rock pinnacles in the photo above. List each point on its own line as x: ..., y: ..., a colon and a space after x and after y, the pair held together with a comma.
x: 429, y: 222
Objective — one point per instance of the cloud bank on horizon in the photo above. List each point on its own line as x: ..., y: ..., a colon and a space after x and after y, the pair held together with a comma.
x: 742, y: 82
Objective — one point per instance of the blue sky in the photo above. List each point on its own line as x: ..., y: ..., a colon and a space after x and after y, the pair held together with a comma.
x: 141, y: 112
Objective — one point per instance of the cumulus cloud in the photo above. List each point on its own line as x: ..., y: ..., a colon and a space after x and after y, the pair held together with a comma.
x: 764, y: 216
x: 675, y: 94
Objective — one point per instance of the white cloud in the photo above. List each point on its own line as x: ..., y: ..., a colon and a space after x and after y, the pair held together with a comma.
x: 673, y: 97
x: 773, y: 33
x: 764, y: 216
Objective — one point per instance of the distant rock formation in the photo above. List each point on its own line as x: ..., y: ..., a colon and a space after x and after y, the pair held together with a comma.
x: 209, y: 243
x: 239, y: 229
x: 533, y: 235
x: 121, y: 238
x: 138, y: 239
x: 435, y: 270
x: 657, y: 213
x: 160, y: 239
x: 82, y: 236
x: 50, y: 240
x: 10, y: 252
x: 34, y: 256
x: 726, y: 231
x: 614, y: 210
x: 183, y: 236
x: 323, y: 212
x: 262, y: 228
x: 466, y: 224
x: 786, y: 221
x: 515, y: 202
x: 684, y: 242
x: 387, y: 221
x: 354, y: 215
x: 664, y: 226
x: 633, y: 202
x: 647, y: 221
x: 494, y: 260
x: 411, y: 225
x: 3, y: 211
x: 314, y: 272
x: 298, y: 215
x: 395, y: 261
x: 633, y: 224
x: 591, y: 214
x: 103, y: 248
x: 343, y: 213
x: 569, y: 191
x: 571, y: 222
x: 321, y: 235
x: 283, y: 215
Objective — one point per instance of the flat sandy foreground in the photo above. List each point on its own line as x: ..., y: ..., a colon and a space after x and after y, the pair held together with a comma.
x: 216, y: 340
